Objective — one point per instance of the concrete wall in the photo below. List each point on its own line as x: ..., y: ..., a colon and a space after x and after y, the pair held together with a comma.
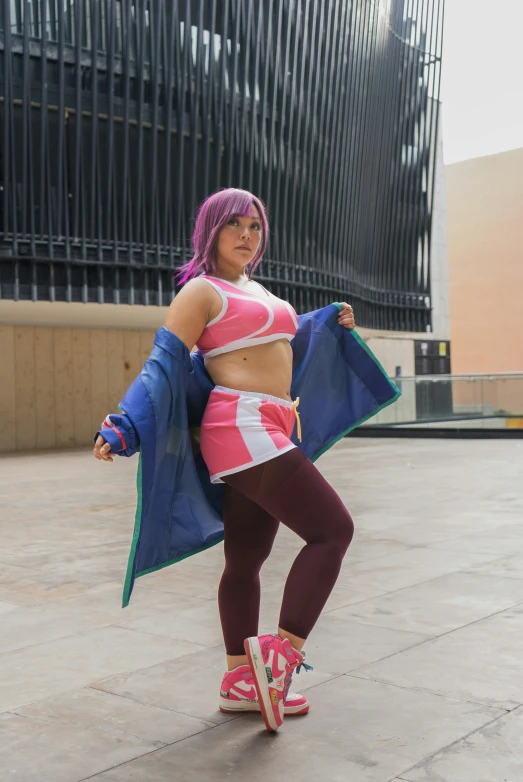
x: 64, y: 366
x: 485, y: 234
x: 58, y: 383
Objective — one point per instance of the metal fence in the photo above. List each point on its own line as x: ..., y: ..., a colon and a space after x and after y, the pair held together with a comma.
x: 492, y: 401
x: 117, y: 117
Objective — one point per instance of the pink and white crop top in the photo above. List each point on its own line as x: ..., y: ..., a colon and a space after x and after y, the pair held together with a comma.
x: 245, y: 319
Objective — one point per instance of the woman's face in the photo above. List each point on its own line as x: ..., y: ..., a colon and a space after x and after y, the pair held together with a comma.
x: 238, y: 241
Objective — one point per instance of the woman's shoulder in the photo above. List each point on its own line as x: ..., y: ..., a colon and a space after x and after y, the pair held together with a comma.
x: 196, y: 295
x: 197, y: 287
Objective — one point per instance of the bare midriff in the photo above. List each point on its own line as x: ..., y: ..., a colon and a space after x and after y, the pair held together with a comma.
x: 266, y: 369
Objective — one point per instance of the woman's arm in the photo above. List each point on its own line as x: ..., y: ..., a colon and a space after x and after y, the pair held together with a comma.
x: 194, y: 306
x: 190, y: 311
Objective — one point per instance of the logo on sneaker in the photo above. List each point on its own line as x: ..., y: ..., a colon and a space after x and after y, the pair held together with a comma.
x: 274, y: 697
x: 268, y: 671
x: 224, y: 693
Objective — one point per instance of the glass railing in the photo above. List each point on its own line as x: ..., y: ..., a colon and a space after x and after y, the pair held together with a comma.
x: 484, y: 401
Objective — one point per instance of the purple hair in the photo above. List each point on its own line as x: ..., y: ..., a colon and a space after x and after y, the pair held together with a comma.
x: 213, y: 214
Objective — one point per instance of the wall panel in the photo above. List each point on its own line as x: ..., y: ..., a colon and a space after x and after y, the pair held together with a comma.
x: 7, y: 389
x: 83, y: 431
x: 123, y: 116
x: 64, y: 388
x: 45, y: 391
x: 25, y: 388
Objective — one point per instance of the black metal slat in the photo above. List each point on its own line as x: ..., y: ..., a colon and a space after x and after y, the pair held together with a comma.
x: 93, y: 227
x: 77, y: 197
x: 407, y: 277
x: 156, y: 24
x: 320, y: 210
x: 333, y: 105
x: 168, y: 80
x: 313, y: 156
x: 398, y: 270
x: 28, y: 151
x: 424, y: 114
x: 197, y: 77
x: 345, y: 264
x: 432, y: 142
x: 288, y: 142
x: 386, y: 86
x: 253, y: 146
x: 6, y: 135
x: 396, y: 153
x: 10, y: 156
x: 208, y: 88
x: 127, y: 205
x: 245, y: 117
x: 369, y: 139
x: 25, y: 124
x: 267, y: 34
x: 230, y: 180
x: 63, y: 178
x: 182, y: 85
x: 424, y: 118
x: 337, y: 141
x: 109, y: 173
x: 299, y: 145
x: 406, y: 211
x: 311, y: 105
x: 277, y: 110
x: 370, y: 142
x: 140, y: 234
x: 426, y: 145
x: 303, y: 179
x: 357, y: 234
x: 220, y: 92
x: 348, y: 223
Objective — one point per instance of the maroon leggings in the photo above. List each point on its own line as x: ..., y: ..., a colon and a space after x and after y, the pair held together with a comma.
x: 291, y: 490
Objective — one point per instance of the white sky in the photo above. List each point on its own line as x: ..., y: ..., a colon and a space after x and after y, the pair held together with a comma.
x: 482, y: 78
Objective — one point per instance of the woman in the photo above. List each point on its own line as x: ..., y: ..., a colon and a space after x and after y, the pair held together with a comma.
x: 244, y: 334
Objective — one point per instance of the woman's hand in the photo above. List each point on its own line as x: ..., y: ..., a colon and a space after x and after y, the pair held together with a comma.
x: 102, y: 449
x: 346, y: 316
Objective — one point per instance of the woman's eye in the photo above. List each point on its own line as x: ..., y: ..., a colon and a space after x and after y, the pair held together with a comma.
x: 233, y: 221
x: 256, y: 226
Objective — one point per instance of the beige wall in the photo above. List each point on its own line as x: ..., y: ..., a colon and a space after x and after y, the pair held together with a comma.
x: 485, y: 238
x: 61, y: 376
x: 58, y: 383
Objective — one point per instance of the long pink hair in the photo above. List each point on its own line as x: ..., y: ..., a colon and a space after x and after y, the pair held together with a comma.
x: 213, y: 214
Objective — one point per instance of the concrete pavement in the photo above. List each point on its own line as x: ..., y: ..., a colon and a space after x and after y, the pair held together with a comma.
x: 418, y: 671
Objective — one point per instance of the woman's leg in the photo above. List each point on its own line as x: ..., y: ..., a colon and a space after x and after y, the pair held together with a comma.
x: 292, y: 490
x: 249, y: 535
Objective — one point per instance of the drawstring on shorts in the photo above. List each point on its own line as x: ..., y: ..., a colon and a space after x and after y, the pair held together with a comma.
x: 295, y: 411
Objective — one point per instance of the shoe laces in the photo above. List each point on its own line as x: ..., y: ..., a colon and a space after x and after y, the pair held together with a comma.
x: 288, y: 678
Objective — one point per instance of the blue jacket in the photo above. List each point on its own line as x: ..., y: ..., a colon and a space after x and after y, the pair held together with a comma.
x: 179, y: 512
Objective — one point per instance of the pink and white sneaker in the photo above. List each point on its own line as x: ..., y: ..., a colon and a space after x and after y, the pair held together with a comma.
x: 272, y: 660
x: 238, y: 694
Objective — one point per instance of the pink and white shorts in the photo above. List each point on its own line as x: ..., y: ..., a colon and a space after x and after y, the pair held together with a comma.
x: 243, y: 428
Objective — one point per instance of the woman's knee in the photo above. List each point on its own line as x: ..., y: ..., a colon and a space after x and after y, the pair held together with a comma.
x: 339, y: 533
x: 343, y: 537
x: 347, y: 531
x: 248, y: 560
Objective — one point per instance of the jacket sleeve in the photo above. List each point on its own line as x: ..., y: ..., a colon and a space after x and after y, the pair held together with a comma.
x: 149, y: 397
x: 121, y: 435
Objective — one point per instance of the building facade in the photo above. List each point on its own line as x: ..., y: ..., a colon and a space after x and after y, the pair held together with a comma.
x: 119, y: 117
x: 485, y: 220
